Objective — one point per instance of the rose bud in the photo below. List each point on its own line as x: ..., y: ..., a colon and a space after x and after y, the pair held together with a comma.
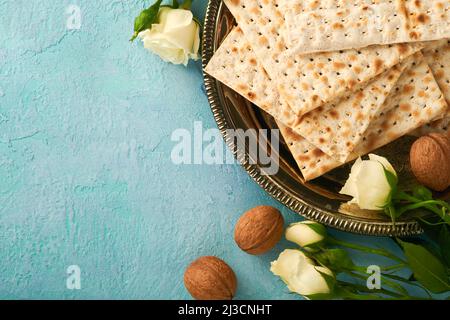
x: 175, y: 37
x: 368, y: 183
x: 307, y: 234
x: 302, y: 276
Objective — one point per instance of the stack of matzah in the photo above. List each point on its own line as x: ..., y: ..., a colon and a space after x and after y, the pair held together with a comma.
x: 341, y: 78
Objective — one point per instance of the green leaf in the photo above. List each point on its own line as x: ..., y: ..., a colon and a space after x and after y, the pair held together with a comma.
x: 389, y: 208
x: 351, y: 291
x: 318, y: 228
x: 444, y: 244
x: 438, y: 234
x: 394, y: 285
x: 427, y: 269
x: 422, y: 193
x: 146, y: 18
x: 408, y: 280
x: 320, y: 296
x: 437, y: 240
x: 391, y: 179
x: 431, y: 227
x: 335, y: 259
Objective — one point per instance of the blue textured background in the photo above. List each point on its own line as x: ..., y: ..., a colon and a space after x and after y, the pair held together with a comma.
x: 85, y: 172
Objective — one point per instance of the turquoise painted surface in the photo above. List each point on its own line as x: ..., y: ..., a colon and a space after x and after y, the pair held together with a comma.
x: 85, y: 172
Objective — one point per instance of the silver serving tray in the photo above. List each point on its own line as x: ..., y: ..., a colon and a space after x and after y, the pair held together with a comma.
x: 319, y: 199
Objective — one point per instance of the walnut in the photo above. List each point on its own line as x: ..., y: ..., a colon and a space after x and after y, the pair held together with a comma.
x: 210, y: 278
x: 430, y: 161
x: 259, y: 230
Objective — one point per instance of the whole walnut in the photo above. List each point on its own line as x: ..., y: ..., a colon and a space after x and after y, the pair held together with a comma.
x: 259, y: 230
x: 210, y: 278
x: 430, y: 161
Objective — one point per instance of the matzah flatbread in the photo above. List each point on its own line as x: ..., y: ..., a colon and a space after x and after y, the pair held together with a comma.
x: 309, y: 81
x: 359, y: 26
x: 235, y: 64
x: 337, y: 128
x: 401, y: 114
x: 334, y: 128
x: 414, y: 89
x: 437, y: 54
x: 311, y: 161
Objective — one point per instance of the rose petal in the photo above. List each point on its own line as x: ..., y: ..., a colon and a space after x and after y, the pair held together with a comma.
x: 300, y: 274
x: 386, y: 164
x: 373, y: 187
x: 184, y: 37
x: 175, y: 38
x: 194, y: 55
x: 350, y: 188
x: 301, y: 234
x: 174, y: 19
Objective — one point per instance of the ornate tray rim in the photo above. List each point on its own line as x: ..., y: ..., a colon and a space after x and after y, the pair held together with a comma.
x: 300, y: 206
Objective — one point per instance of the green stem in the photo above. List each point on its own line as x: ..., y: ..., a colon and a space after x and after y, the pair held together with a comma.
x: 429, y: 204
x: 388, y: 268
x: 371, y: 295
x: 394, y: 277
x: 408, y: 282
x: 346, y: 293
x: 402, y: 295
x: 401, y: 292
x: 418, y: 203
x: 390, y: 210
x: 358, y: 247
x: 406, y: 196
x: 134, y: 36
x: 394, y: 267
x: 430, y: 223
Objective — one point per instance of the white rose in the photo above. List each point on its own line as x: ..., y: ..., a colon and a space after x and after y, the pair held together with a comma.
x: 175, y: 38
x: 367, y: 183
x: 300, y: 274
x: 306, y: 233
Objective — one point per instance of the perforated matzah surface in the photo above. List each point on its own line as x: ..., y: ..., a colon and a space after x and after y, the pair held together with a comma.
x: 336, y: 128
x: 438, y: 57
x: 311, y: 161
x: 308, y: 81
x: 401, y: 114
x: 358, y: 26
x: 235, y: 64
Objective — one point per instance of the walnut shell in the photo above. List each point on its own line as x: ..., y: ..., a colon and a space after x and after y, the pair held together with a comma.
x: 259, y: 229
x: 210, y: 278
x: 430, y: 161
